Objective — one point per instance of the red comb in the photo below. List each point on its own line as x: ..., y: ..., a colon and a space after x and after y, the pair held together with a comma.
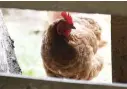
x: 67, y: 17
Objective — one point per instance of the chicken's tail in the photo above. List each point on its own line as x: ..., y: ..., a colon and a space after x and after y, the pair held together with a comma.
x: 102, y: 43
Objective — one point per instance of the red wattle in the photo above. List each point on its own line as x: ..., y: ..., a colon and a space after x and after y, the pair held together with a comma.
x: 67, y: 33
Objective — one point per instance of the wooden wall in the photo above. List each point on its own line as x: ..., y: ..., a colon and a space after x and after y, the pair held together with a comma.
x: 118, y: 24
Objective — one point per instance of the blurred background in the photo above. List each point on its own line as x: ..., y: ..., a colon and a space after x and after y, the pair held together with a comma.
x: 26, y: 29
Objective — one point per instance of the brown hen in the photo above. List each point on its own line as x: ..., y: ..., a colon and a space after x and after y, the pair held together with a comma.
x: 71, y: 52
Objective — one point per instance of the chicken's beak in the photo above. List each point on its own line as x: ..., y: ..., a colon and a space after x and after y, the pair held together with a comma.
x: 73, y: 27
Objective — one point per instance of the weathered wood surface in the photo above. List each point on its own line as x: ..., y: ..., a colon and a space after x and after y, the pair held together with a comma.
x: 18, y: 82
x: 119, y: 48
x: 8, y: 60
x: 106, y: 7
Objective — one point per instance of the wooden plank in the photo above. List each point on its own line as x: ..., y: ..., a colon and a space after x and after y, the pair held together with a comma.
x: 114, y: 8
x: 8, y: 60
x: 23, y: 82
x: 119, y: 48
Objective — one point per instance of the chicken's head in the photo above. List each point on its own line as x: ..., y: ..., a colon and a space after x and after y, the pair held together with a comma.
x: 65, y: 25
